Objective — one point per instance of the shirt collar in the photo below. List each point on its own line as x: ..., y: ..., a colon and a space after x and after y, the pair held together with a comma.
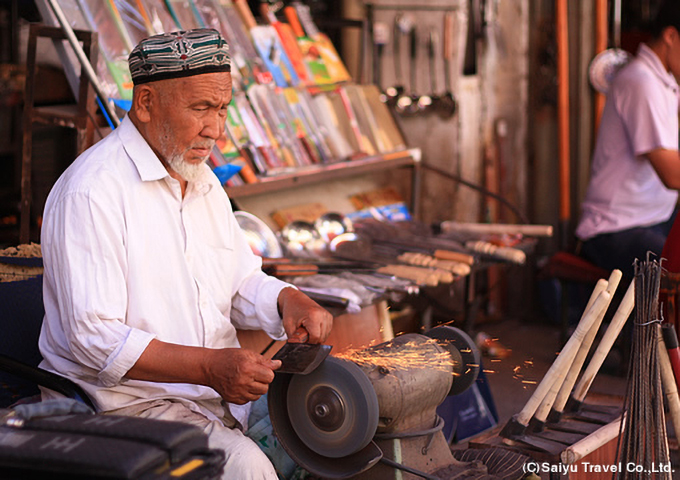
x: 649, y: 58
x: 147, y: 163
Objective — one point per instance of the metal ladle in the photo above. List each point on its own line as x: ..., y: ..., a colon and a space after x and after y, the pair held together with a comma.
x: 301, y: 239
x: 431, y: 49
x: 395, y: 92
x: 404, y: 105
x: 447, y: 103
x: 331, y: 225
x: 422, y: 103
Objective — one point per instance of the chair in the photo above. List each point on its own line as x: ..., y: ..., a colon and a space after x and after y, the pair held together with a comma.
x: 670, y: 281
x: 22, y: 314
x: 134, y: 447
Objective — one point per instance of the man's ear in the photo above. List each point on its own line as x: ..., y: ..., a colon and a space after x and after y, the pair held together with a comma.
x: 142, y: 102
x: 669, y: 35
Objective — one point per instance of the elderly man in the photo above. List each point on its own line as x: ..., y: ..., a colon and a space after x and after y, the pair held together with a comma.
x: 147, y: 273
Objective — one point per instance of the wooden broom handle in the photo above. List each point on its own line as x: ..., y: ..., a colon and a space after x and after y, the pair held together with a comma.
x: 608, y: 339
x: 564, y: 358
x: 552, y: 395
x: 580, y: 359
x: 592, y: 442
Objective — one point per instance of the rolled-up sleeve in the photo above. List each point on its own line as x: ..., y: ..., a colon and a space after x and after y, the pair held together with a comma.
x: 255, y: 305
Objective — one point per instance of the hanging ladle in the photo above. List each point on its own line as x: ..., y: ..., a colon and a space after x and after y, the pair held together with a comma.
x: 422, y: 103
x: 393, y: 93
x: 431, y: 49
x: 447, y: 102
x: 407, y: 102
x: 381, y: 34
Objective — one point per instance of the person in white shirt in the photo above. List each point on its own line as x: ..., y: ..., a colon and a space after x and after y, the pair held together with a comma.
x: 147, y: 273
x: 630, y: 202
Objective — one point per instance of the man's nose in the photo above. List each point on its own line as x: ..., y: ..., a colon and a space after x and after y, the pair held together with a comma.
x: 214, y: 126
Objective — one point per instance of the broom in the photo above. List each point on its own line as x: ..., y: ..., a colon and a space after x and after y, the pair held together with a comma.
x: 643, y: 443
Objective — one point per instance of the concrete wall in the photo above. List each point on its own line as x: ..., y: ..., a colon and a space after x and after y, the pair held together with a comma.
x: 492, y: 101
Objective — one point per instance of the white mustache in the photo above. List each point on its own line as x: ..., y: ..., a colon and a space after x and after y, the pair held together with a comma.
x: 208, y: 145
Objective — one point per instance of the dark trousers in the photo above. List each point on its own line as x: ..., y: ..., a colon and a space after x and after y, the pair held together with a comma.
x: 620, y: 249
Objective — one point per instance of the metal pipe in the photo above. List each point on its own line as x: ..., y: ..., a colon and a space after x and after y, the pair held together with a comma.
x: 561, y: 14
x: 600, y: 46
x: 84, y: 62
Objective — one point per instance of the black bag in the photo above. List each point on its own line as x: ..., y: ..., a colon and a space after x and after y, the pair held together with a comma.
x: 85, y: 446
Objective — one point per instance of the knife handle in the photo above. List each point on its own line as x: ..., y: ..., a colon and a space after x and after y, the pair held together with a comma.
x: 301, y: 335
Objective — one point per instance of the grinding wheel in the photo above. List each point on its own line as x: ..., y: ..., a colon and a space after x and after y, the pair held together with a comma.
x: 465, y: 353
x: 334, y: 409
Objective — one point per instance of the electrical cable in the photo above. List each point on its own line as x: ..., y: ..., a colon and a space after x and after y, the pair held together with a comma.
x: 266, y: 349
x: 480, y: 189
x: 417, y: 433
x: 410, y: 470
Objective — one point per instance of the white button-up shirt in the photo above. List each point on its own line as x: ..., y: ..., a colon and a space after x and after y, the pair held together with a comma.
x: 640, y: 115
x: 127, y: 259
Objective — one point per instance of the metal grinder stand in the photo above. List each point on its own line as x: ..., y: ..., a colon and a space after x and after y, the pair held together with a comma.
x: 371, y: 420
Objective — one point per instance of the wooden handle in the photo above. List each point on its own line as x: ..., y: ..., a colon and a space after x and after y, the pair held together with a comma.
x: 498, y: 228
x: 301, y: 335
x: 579, y: 360
x: 565, y: 357
x: 513, y: 255
x: 283, y: 270
x: 592, y: 442
x: 551, y: 397
x: 294, y: 21
x: 448, y: 35
x: 454, y: 256
x: 422, y: 276
x: 608, y: 339
x: 245, y: 13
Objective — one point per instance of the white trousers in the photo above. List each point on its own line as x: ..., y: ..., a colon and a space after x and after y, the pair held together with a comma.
x: 245, y: 460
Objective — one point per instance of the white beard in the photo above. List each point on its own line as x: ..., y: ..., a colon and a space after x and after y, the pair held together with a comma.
x: 188, y: 171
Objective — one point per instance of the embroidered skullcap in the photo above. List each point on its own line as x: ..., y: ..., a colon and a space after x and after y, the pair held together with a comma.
x: 179, y: 54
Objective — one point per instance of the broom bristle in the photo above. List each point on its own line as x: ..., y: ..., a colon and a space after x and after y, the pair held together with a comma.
x: 643, y: 441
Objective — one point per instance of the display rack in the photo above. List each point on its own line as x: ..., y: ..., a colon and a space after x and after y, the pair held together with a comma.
x: 300, y: 176
x: 279, y: 135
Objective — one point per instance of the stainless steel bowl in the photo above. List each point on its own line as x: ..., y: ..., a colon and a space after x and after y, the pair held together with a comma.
x: 261, y: 238
x: 330, y: 225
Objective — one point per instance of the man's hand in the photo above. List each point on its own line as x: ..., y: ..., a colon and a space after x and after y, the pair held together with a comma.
x: 240, y: 375
x: 298, y: 310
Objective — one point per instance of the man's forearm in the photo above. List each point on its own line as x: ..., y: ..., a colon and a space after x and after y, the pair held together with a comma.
x: 238, y: 375
x: 171, y: 363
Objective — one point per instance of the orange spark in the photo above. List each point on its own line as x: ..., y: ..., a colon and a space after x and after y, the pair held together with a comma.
x: 406, y: 356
